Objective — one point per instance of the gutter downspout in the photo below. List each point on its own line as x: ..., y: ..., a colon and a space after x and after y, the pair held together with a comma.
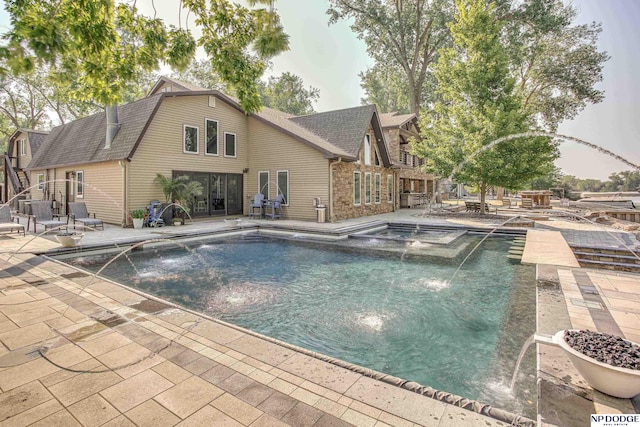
x: 331, y: 215
x: 125, y: 209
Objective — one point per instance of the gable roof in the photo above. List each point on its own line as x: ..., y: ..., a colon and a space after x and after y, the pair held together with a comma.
x: 346, y: 128
x: 182, y: 86
x: 394, y: 119
x: 82, y: 141
x: 36, y: 137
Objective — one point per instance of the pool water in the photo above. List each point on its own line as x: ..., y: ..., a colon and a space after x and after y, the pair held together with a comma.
x: 402, y: 317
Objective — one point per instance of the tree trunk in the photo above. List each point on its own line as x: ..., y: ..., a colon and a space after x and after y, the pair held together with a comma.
x: 483, y: 194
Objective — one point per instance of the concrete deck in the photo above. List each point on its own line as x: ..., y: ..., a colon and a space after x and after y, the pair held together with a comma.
x: 113, y: 357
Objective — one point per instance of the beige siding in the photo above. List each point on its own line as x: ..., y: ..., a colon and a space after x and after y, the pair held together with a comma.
x: 272, y: 150
x: 161, y: 149
x: 102, y: 188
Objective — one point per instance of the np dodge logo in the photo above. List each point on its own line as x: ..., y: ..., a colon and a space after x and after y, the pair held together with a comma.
x: 615, y: 420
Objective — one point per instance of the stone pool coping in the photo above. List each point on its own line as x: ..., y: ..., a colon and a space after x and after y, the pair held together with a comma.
x: 148, y: 360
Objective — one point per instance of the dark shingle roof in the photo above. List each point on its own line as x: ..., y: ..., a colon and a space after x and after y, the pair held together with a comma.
x: 36, y: 138
x: 344, y: 128
x: 82, y: 141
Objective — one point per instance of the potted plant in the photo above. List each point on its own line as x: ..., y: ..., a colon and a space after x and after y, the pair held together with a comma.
x: 608, y: 363
x: 138, y: 217
x: 180, y: 192
x: 69, y: 239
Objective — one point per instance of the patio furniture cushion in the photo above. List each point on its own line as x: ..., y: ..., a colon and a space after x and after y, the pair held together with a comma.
x: 6, y: 221
x: 79, y: 213
x: 41, y: 213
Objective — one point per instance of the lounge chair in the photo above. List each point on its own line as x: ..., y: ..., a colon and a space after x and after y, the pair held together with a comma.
x: 275, y: 206
x: 80, y: 214
x: 6, y: 221
x: 256, y: 203
x: 41, y: 214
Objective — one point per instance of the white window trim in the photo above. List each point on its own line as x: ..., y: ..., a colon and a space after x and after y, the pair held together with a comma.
x: 235, y: 144
x: 367, y: 174
x: 377, y: 198
x: 288, y: 186
x: 23, y: 147
x: 390, y: 193
x: 76, y: 182
x: 184, y: 137
x: 354, y: 188
x: 206, y: 137
x: 367, y: 150
x: 40, y: 183
x: 268, y: 182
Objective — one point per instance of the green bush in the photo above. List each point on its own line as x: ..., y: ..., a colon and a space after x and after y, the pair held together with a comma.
x: 138, y: 213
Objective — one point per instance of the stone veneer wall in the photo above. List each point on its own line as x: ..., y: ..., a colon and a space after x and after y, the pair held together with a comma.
x: 393, y: 140
x: 343, y: 207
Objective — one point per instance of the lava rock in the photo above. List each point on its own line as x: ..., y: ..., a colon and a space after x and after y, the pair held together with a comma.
x: 605, y: 348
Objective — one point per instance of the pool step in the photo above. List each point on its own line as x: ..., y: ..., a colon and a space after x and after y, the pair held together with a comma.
x: 608, y: 258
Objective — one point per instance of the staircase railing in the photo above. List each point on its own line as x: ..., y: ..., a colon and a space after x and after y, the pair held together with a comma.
x: 11, y: 173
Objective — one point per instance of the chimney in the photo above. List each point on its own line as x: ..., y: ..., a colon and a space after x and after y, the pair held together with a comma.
x: 112, y: 124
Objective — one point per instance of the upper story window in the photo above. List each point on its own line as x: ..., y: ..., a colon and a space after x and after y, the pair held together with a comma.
x: 367, y: 149
x: 23, y: 147
x: 377, y: 159
x: 211, y: 136
x: 190, y: 143
x: 229, y: 144
x: 79, y: 183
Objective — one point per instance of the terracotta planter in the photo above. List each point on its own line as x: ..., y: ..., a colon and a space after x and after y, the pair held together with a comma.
x: 614, y: 381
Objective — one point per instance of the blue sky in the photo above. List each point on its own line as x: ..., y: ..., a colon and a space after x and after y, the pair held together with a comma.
x: 330, y: 58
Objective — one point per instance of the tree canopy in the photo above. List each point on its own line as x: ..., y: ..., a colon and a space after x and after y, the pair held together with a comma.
x: 556, y: 63
x: 287, y: 93
x: 477, y: 104
x: 97, y: 47
x: 403, y: 34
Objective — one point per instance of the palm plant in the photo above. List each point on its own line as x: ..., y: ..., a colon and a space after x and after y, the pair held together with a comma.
x: 179, y: 190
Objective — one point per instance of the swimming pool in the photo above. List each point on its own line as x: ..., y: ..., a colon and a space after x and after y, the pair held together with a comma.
x: 405, y: 317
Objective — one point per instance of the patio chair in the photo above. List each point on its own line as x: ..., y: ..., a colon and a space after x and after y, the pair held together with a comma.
x: 256, y: 203
x: 41, y: 214
x: 7, y: 223
x: 80, y: 214
x: 275, y: 206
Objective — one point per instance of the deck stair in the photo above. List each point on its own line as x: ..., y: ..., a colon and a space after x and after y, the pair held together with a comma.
x: 608, y: 258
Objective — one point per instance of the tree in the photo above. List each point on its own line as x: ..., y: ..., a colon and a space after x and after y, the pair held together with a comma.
x: 201, y: 73
x: 556, y: 64
x: 403, y: 33
x: 546, y: 181
x: 97, y: 47
x: 33, y: 101
x: 478, y: 105
x: 386, y: 87
x: 287, y: 93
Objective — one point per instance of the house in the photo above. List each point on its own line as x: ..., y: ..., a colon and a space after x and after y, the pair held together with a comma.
x: 398, y: 130
x: 110, y: 160
x: 22, y: 145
